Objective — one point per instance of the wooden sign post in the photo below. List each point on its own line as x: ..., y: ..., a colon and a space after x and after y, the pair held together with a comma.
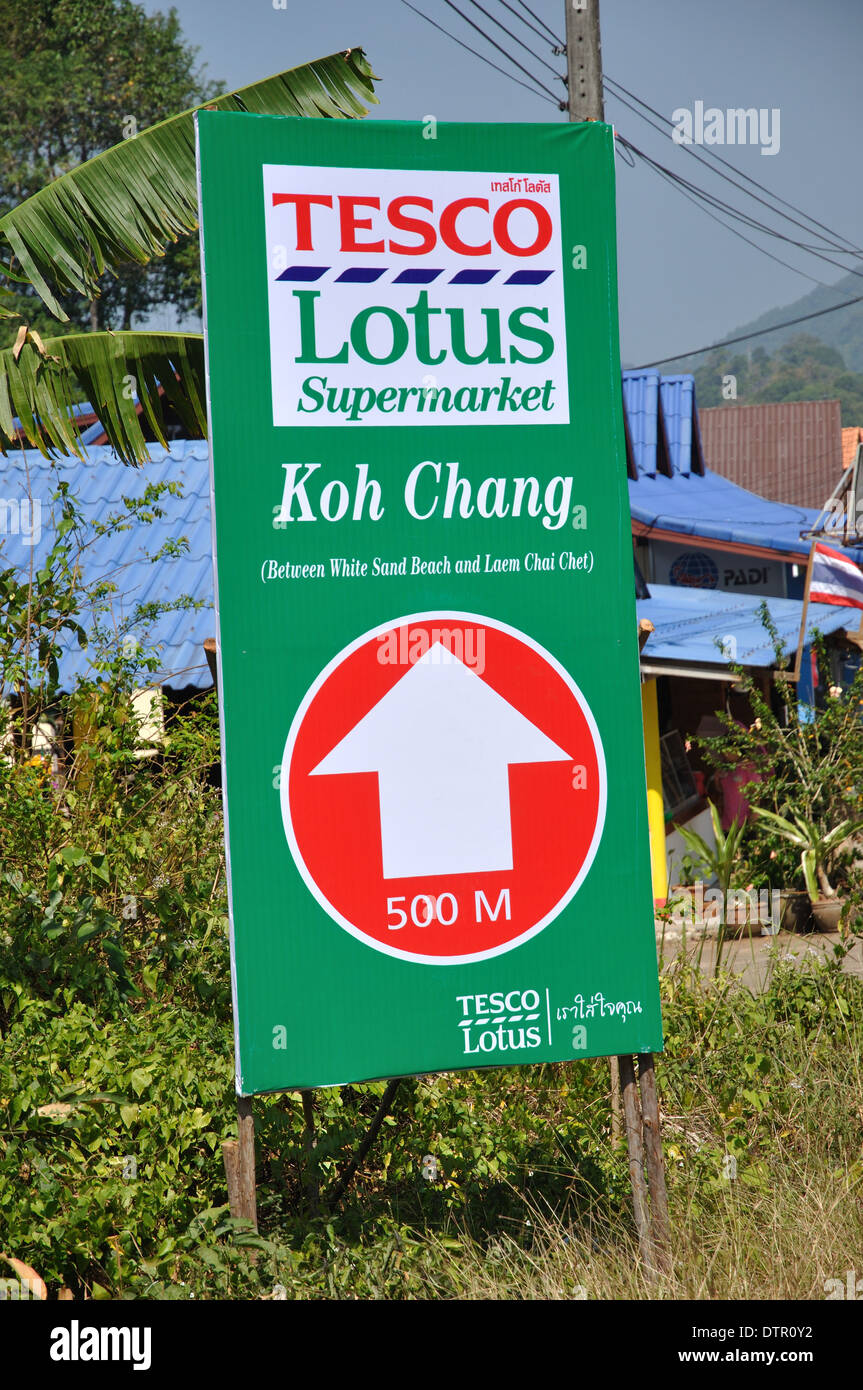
x: 239, y: 1159
x: 643, y: 1139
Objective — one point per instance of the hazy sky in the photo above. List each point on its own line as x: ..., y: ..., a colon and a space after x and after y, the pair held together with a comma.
x: 684, y: 280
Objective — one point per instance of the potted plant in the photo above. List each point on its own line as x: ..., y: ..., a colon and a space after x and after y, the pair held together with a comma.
x: 817, y: 848
x: 795, y: 910
x: 806, y: 758
x: 718, y: 861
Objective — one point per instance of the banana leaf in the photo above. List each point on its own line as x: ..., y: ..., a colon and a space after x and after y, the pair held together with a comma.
x: 116, y: 371
x: 126, y: 204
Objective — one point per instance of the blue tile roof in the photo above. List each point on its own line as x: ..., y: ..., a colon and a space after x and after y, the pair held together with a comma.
x: 677, y: 394
x: 690, y: 499
x: 124, y: 558
x: 689, y: 622
x: 641, y: 403
x: 711, y: 506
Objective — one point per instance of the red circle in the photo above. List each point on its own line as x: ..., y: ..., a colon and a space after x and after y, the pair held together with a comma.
x: 334, y: 821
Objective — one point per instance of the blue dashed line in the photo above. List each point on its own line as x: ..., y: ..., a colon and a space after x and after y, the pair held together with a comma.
x: 528, y: 277
x: 416, y: 276
x: 303, y: 272
x: 360, y: 275
x: 473, y: 277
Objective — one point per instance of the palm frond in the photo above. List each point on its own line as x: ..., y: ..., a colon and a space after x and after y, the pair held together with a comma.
x: 843, y: 831
x: 792, y: 833
x: 117, y: 371
x: 129, y: 202
x: 809, y: 865
x: 697, y: 844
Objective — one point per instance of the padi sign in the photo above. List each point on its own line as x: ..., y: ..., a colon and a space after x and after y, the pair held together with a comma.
x: 423, y: 298
x: 432, y: 754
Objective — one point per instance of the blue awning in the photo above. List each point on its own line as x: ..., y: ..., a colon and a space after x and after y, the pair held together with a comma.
x: 693, y: 624
x: 712, y: 507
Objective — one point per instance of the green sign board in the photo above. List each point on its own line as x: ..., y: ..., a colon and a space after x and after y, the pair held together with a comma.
x: 432, y: 740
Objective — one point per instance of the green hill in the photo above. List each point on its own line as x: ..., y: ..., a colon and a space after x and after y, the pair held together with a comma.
x: 802, y: 369
x: 842, y: 330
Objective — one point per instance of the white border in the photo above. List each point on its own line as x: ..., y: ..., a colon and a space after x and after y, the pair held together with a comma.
x: 284, y: 791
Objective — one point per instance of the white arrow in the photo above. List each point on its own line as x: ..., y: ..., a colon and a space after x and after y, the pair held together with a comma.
x: 441, y: 741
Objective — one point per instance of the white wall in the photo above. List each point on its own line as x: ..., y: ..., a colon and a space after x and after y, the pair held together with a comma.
x: 675, y: 845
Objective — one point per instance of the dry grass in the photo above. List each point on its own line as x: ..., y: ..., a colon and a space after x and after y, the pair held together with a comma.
x: 790, y: 1221
x: 785, y: 1243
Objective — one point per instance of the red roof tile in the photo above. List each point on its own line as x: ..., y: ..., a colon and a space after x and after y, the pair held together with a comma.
x: 852, y: 435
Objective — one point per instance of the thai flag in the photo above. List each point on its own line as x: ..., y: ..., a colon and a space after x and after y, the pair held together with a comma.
x: 835, y: 578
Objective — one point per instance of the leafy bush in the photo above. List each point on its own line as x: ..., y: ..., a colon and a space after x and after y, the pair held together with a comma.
x: 523, y: 1156
x: 807, y: 763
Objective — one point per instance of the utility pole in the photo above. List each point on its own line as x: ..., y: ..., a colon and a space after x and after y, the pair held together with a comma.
x: 583, y: 60
x: 634, y: 1101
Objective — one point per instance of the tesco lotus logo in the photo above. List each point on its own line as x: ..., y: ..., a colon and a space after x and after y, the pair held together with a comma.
x: 364, y: 226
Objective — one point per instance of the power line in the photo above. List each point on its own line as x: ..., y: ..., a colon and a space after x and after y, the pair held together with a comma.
x: 689, y: 189
x: 515, y: 38
x: 747, y: 218
x: 490, y: 40
x: 748, y: 179
x: 611, y: 83
x: 737, y: 213
x: 481, y: 56
x: 560, y: 43
x: 744, y: 337
x: 705, y: 201
x: 735, y: 231
x: 527, y: 25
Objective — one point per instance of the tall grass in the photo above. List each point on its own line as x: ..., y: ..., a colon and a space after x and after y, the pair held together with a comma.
x: 763, y: 1132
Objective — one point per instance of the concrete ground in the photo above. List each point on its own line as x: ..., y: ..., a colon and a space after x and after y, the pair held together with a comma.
x: 754, y: 958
